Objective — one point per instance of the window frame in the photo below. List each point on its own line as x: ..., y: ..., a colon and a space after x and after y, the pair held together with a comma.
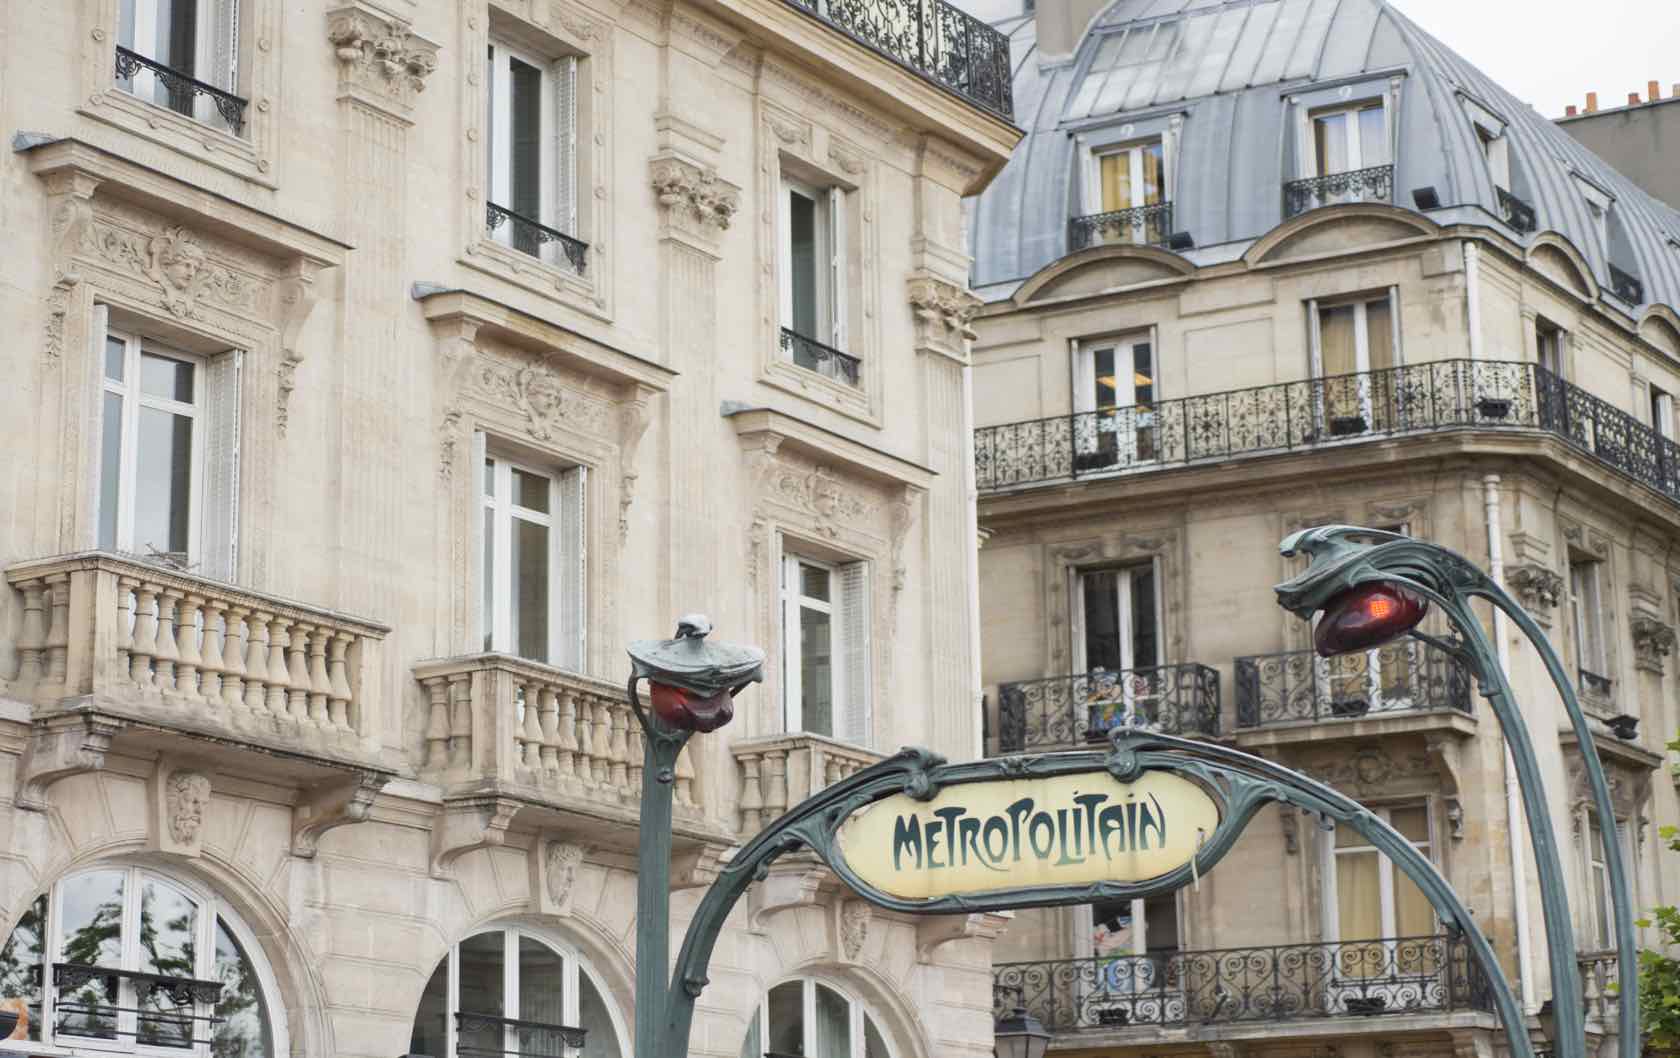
x: 1388, y: 872
x: 557, y: 157
x: 1135, y: 149
x: 1662, y: 411
x: 841, y: 648
x: 1586, y: 615
x: 829, y: 212
x: 1550, y: 343
x: 856, y: 1012
x: 1354, y: 145
x: 225, y: 20
x: 1123, y: 590
x: 135, y: 399
x: 567, y: 558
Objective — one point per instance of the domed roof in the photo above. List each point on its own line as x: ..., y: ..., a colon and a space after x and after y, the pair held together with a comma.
x: 1227, y: 70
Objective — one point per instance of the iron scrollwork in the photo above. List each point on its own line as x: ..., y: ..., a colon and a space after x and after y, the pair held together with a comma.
x: 1069, y: 712
x: 529, y: 236
x: 181, y: 89
x: 1150, y: 225
x: 1397, y: 677
x: 1516, y: 212
x: 825, y: 360
x: 1373, y: 184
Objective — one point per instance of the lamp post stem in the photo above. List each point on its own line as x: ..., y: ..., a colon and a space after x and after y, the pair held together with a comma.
x: 653, y: 877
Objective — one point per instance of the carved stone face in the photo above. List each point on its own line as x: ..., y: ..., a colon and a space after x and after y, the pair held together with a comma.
x: 188, y: 795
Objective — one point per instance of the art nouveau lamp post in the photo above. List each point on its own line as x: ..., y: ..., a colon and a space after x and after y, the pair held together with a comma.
x: 1373, y: 587
x: 692, y: 685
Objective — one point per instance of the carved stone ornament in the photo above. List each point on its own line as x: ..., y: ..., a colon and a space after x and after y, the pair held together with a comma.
x: 379, y: 54
x: 1653, y: 640
x: 943, y: 310
x: 1536, y: 586
x: 695, y: 197
x: 817, y: 492
x: 854, y: 927
x: 174, y: 262
x: 186, y: 797
x: 536, y: 392
x: 1370, y: 768
x: 560, y: 866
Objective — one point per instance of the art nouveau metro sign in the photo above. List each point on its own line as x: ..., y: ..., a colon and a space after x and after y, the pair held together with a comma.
x: 1030, y: 832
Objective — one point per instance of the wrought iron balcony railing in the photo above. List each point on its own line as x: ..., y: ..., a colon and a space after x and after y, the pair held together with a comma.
x: 1627, y: 287
x: 1149, y: 225
x: 1375, y: 184
x: 931, y: 38
x: 1285, y: 982
x: 1067, y: 712
x: 825, y: 360
x: 1515, y: 212
x: 493, y: 1036
x: 529, y: 236
x: 1312, y: 413
x: 180, y: 91
x: 165, y: 1011
x: 1404, y: 676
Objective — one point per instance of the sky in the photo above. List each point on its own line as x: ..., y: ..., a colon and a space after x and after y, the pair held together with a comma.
x: 1549, y: 54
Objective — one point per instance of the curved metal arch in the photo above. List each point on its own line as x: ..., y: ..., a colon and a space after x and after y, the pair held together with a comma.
x: 1340, y: 562
x: 1242, y: 783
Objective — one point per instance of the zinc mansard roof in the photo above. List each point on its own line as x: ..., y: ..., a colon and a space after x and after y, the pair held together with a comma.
x: 1229, y: 68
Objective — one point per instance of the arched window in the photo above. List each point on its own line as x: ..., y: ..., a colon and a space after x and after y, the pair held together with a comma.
x: 120, y: 958
x: 810, y: 1018
x: 506, y: 992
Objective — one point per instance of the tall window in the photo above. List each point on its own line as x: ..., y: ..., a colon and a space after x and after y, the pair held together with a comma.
x: 533, y: 561
x: 812, y: 228
x: 807, y: 1017
x: 532, y: 151
x: 1117, y: 643
x: 1128, y: 178
x: 1495, y: 151
x: 1354, y: 343
x: 1602, y: 909
x: 81, y: 965
x: 825, y: 648
x: 1368, y: 898
x: 149, y: 479
x: 1548, y: 341
x: 1114, y: 398
x: 1586, y: 615
x: 1662, y: 412
x: 197, y: 39
x: 1349, y: 138
x: 506, y: 992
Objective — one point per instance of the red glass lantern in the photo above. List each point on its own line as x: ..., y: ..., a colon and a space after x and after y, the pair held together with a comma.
x: 1367, y: 616
x: 687, y: 711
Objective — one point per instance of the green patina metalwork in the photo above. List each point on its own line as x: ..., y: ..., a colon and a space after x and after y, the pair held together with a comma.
x: 1345, y: 556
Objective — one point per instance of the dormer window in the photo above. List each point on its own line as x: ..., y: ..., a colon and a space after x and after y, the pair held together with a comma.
x: 1497, y: 156
x: 1349, y: 139
x: 1126, y: 197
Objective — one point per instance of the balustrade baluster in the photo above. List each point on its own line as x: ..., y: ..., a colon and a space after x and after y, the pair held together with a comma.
x: 256, y: 662
x: 636, y: 749
x: 32, y: 633
x: 601, y: 762
x: 187, y: 637
x: 320, y: 684
x: 530, y: 726
x: 125, y: 623
x: 566, y: 738
x: 619, y: 750
x: 166, y: 654
x: 145, y: 634
x: 58, y: 627
x: 752, y: 795
x: 214, y: 663
x: 343, y: 717
x: 437, y: 723
x: 549, y: 717
x: 233, y: 653
x: 776, y: 793
x: 279, y: 635
x: 297, y: 671
x: 585, y: 739
x: 460, y: 724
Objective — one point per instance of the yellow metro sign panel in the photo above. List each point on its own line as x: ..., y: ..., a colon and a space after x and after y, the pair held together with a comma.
x: 1026, y: 833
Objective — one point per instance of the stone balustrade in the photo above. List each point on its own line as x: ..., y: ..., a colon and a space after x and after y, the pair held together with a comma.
x: 1599, y: 987
x: 165, y: 645
x: 778, y: 771
x: 559, y: 734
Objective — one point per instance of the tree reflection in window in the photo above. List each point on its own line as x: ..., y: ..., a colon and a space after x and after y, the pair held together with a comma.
x: 22, y: 963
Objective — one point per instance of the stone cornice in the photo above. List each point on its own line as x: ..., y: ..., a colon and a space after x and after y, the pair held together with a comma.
x: 382, y: 62
x: 766, y: 425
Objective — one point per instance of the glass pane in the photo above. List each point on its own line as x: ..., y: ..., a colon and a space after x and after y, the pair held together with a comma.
x: 1349, y: 838
x: 490, y: 478
x: 1160, y: 918
x: 1412, y: 823
x: 816, y: 671
x: 530, y: 588
x: 813, y: 582
x: 488, y: 573
x: 163, y: 481
x: 1338, y: 351
x: 1116, y: 181
x: 166, y: 377
x: 1373, y: 142
x: 90, y: 934
x: 110, y: 470
x: 1379, y: 334
x: 431, y: 1020
x: 750, y: 1047
x: 125, y: 23
x: 1102, y: 621
x: 482, y: 975
x: 802, y: 236
x: 596, y: 1020
x: 525, y: 132
x: 1143, y: 374
x: 168, y: 927
x: 786, y: 1014
x: 1145, y: 645
x: 22, y: 963
x: 1413, y: 917
x: 873, y: 1045
x: 1330, y: 141
x: 1154, y: 174
x: 244, y: 1031
x: 1358, y: 896
x: 530, y: 491
x: 542, y: 984
x: 1106, y: 393
x: 116, y: 355
x: 1112, y: 923
x: 834, y: 1024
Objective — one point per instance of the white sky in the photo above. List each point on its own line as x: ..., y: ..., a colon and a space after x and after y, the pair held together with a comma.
x: 1551, y: 53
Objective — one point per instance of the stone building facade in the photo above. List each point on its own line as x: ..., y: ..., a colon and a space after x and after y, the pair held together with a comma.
x: 379, y: 368
x: 1262, y: 266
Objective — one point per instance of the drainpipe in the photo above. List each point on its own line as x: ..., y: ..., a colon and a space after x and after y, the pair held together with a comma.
x: 1473, y: 297
x: 972, y: 527
x: 1513, y: 791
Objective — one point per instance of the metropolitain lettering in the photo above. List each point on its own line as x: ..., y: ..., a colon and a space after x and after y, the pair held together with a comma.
x: 1064, y: 834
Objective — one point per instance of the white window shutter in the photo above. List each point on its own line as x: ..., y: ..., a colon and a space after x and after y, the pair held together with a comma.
x: 784, y: 254
x: 565, y: 147
x: 219, y: 556
x: 852, y: 723
x: 93, y: 463
x: 481, y: 620
x: 837, y: 267
x: 223, y: 38
x: 573, y: 560
x: 793, y: 691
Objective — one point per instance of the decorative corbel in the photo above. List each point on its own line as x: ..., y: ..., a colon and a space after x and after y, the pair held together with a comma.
x: 1288, y: 820
x: 333, y: 805
x: 789, y: 885
x: 697, y: 867
x: 457, y: 344
x: 382, y: 62
x: 694, y: 201
x: 904, y: 511
x: 635, y: 413
x: 1538, y: 587
x: 466, y: 824
x: 59, y: 748
x: 295, y: 300
x: 944, y: 314
x: 70, y: 203
x: 1653, y: 640
x: 1444, y: 750
x: 936, y: 931
x: 1455, y: 818
x: 852, y: 920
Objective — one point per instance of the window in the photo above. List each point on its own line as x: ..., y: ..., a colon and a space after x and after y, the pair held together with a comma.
x: 825, y: 648
x: 533, y: 573
x: 1548, y: 340
x: 1129, y: 178
x: 1586, y: 615
x: 812, y: 1018
x: 1114, y: 401
x: 168, y: 440
x: 1601, y: 907
x: 1496, y: 152
x: 79, y: 962
x: 196, y: 39
x: 1117, y: 644
x: 506, y: 992
x: 1347, y: 139
x: 1353, y: 346
x: 532, y: 154
x: 1662, y: 412
x: 813, y: 279
x: 1368, y: 898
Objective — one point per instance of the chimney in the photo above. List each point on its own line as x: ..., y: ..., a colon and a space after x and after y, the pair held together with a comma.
x: 1633, y: 99
x: 1592, y: 102
x: 1653, y: 91
x: 1569, y: 111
